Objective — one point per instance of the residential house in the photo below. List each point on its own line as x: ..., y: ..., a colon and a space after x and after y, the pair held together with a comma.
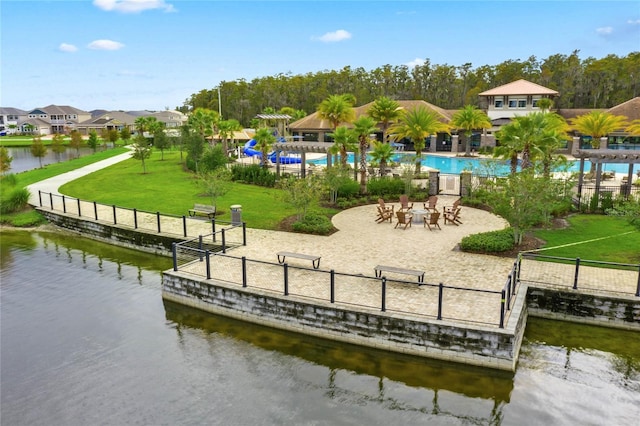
x: 53, y: 119
x: 109, y: 120
x: 10, y: 118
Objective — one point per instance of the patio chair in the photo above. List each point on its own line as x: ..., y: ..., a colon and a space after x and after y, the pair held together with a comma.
x: 384, y: 215
x: 432, y: 220
x: 382, y: 204
x: 404, y: 218
x: 452, y: 208
x: 430, y: 205
x: 405, y: 205
x: 452, y: 216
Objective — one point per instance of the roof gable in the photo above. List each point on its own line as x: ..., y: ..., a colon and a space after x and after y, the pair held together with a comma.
x: 519, y: 87
x: 630, y: 109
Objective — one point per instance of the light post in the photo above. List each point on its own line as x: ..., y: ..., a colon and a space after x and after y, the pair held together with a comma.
x: 219, y: 103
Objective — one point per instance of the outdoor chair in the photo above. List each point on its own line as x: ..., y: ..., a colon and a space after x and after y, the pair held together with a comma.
x: 430, y: 205
x: 432, y: 220
x: 382, y: 204
x: 452, y: 208
x: 452, y: 216
x: 405, y: 205
x: 404, y: 219
x: 384, y: 215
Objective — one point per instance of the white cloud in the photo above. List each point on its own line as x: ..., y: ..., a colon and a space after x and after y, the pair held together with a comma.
x: 632, y: 22
x: 604, y: 30
x: 335, y: 36
x: 105, y: 45
x: 415, y: 63
x: 133, y: 6
x: 66, y: 47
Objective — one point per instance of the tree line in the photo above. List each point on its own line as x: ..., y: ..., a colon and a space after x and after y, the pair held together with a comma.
x: 582, y: 83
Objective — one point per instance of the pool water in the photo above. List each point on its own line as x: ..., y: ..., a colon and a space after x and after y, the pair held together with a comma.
x: 456, y: 165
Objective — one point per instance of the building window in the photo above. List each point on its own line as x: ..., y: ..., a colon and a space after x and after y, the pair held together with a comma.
x: 513, y: 103
x: 498, y: 103
x: 522, y: 103
x: 535, y: 103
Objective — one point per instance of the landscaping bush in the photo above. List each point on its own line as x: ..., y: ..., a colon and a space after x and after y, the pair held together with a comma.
x: 385, y: 187
x: 17, y: 199
x: 314, y: 223
x: 253, y: 174
x: 349, y: 189
x: 489, y: 242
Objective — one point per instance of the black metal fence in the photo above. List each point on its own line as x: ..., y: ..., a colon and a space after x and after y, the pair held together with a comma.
x: 438, y: 301
x: 576, y: 273
x: 607, y: 196
x: 161, y: 223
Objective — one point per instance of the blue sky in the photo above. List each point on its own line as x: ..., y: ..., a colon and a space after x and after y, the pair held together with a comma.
x: 153, y: 54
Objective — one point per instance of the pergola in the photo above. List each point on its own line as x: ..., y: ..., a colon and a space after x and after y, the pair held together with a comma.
x: 603, y: 156
x: 302, y: 148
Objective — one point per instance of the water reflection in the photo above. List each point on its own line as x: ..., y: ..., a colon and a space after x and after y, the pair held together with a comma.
x: 23, y: 160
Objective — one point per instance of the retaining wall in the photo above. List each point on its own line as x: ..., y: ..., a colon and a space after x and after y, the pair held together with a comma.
x: 469, y: 344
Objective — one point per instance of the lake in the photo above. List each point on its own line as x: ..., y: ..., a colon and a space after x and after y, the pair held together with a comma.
x: 86, y: 339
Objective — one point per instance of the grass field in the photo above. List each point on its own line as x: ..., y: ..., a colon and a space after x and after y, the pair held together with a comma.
x: 594, y: 237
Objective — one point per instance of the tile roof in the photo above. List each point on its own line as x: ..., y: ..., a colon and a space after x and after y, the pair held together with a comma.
x: 630, y: 109
x: 519, y: 87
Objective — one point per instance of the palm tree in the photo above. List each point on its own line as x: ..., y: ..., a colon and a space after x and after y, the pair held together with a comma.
x: 598, y: 124
x: 337, y: 109
x: 552, y: 134
x: 344, y: 140
x: 469, y: 119
x: 382, y: 153
x: 510, y: 145
x: 363, y: 127
x: 226, y: 128
x: 204, y: 121
x: 264, y: 141
x: 545, y: 104
x: 385, y: 111
x: 417, y: 125
x: 634, y: 128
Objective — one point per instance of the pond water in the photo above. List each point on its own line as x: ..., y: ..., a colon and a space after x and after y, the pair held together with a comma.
x: 456, y: 165
x: 87, y: 339
x: 23, y: 160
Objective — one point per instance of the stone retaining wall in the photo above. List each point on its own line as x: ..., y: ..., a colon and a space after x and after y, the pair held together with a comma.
x: 470, y: 344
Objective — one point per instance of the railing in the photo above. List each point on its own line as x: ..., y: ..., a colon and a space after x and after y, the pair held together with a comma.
x: 610, y: 277
x: 438, y: 301
x: 608, y: 195
x: 161, y: 223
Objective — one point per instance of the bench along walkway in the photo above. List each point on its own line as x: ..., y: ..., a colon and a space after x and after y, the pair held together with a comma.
x: 313, y: 258
x: 203, y: 209
x: 380, y: 268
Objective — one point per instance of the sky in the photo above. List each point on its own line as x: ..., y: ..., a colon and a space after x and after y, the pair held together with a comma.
x: 154, y: 54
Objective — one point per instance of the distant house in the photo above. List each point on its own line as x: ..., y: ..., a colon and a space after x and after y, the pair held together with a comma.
x: 53, y: 119
x: 171, y: 119
x: 520, y: 97
x: 10, y: 118
x: 109, y: 120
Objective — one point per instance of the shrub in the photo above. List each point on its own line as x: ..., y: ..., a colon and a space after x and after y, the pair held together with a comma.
x: 17, y: 200
x: 385, y: 187
x: 349, y: 189
x: 489, y: 242
x: 212, y: 158
x: 253, y: 174
x: 314, y: 223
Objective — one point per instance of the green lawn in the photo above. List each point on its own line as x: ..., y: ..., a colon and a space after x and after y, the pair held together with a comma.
x: 167, y: 188
x: 594, y: 237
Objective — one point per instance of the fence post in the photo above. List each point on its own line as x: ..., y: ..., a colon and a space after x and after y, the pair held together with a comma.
x: 175, y: 256
x: 638, y: 286
x: 213, y: 228
x: 575, y: 276
x: 514, y: 278
x: 509, y: 283
x: 502, y: 309
x: 244, y: 233
x: 244, y: 271
x: 40, y: 197
x: 440, y: 291
x: 208, y: 263
x: 79, y: 210
x: 184, y: 226
x: 95, y: 209
x: 135, y: 219
x: 384, y: 294
x: 224, y: 244
x: 333, y: 285
x: 286, y: 278
x: 51, y: 200
x: 158, y: 219
x: 200, y: 246
x: 115, y: 220
x: 64, y: 204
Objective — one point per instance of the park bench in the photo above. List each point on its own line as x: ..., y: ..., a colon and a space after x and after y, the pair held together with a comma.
x: 203, y: 209
x: 314, y: 259
x: 380, y: 268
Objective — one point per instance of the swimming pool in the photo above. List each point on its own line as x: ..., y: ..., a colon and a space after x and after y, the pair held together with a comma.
x: 455, y: 165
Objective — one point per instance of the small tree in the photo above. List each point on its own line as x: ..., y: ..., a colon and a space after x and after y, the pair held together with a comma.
x: 93, y: 140
x: 57, y: 145
x: 142, y: 151
x: 215, y: 183
x: 469, y: 119
x: 264, y: 141
x: 161, y: 141
x: 5, y: 160
x: 38, y: 149
x: 114, y: 135
x: 382, y: 154
x: 301, y: 193
x: 125, y: 134
x: 76, y: 141
x: 334, y: 178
